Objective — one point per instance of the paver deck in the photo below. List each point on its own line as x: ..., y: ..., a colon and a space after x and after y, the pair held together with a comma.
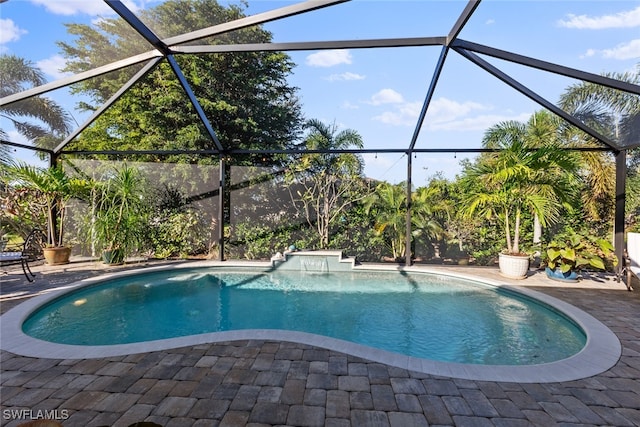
x: 267, y: 382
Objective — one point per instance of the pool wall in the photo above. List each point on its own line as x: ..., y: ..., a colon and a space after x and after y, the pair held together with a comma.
x: 601, y: 352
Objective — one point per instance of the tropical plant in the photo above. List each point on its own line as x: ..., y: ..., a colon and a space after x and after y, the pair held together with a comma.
x: 331, y: 182
x: 51, y: 121
x: 52, y: 189
x: 259, y: 241
x: 573, y: 252
x: 523, y: 176
x: 118, y: 216
x: 388, y: 205
x: 613, y: 113
x: 176, y: 228
x: 21, y: 211
x: 459, y: 229
x: 357, y: 237
x: 430, y: 211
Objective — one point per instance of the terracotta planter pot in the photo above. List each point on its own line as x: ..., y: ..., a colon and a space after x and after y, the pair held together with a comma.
x: 57, y: 256
x: 514, y: 266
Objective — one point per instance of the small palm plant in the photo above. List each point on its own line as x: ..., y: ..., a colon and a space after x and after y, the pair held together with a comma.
x: 54, y: 188
x: 388, y: 203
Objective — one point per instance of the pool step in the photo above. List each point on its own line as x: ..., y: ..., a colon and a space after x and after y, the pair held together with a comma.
x: 313, y: 261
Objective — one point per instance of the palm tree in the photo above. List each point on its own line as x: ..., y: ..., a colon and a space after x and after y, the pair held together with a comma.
x: 16, y: 75
x: 430, y: 211
x: 327, y: 137
x: 542, y: 128
x: 329, y: 180
x: 389, y: 204
x: 613, y: 113
x: 54, y: 188
x: 527, y: 174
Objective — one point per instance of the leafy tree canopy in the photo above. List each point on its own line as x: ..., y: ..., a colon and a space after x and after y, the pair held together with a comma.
x: 245, y: 96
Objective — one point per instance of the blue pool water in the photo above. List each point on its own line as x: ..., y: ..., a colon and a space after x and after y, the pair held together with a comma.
x: 421, y: 315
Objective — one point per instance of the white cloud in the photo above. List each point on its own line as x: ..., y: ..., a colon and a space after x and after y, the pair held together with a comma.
x: 345, y: 77
x: 9, y: 31
x: 630, y: 50
x: 52, y: 66
x: 490, y: 22
x: 75, y: 7
x: 386, y: 96
x: 627, y: 19
x: 623, y: 51
x: 377, y: 161
x: 477, y: 123
x: 443, y: 110
x: 393, y: 118
x: 445, y: 114
x: 405, y: 114
x: 346, y: 105
x: 329, y: 58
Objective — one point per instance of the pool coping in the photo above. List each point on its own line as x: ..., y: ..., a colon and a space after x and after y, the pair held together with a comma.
x: 601, y: 352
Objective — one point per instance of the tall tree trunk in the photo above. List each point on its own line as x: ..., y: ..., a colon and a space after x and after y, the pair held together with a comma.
x: 507, y: 230
x: 537, y: 230
x: 516, y: 234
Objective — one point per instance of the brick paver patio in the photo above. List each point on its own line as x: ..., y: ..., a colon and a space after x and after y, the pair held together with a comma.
x: 261, y: 383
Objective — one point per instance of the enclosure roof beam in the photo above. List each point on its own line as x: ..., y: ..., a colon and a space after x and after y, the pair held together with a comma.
x: 462, y: 20
x: 208, y: 152
x: 136, y: 59
x: 194, y: 101
x: 547, y: 66
x: 535, y: 97
x: 139, y: 75
x: 453, y: 34
x: 26, y: 147
x: 429, y: 96
x: 143, y: 57
x: 249, y: 21
x: 312, y: 45
x: 135, y: 23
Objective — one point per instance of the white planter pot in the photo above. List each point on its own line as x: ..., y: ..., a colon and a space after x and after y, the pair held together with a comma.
x: 513, y: 266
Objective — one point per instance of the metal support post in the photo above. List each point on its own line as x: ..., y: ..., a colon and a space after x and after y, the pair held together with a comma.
x: 408, y: 261
x: 221, y: 200
x: 618, y: 222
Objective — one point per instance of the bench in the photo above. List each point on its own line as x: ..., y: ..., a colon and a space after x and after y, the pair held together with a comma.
x: 30, y: 251
x: 632, y: 258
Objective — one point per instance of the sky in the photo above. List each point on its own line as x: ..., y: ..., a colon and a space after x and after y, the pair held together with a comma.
x: 380, y: 92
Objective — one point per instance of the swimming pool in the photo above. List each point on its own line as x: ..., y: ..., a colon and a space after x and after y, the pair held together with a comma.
x: 226, y: 304
x: 420, y: 315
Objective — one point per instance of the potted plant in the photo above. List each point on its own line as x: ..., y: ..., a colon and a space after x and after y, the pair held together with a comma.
x: 523, y: 176
x: 54, y: 189
x: 567, y: 254
x: 117, y: 219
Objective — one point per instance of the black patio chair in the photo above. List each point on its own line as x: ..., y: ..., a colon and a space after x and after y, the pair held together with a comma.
x: 30, y: 251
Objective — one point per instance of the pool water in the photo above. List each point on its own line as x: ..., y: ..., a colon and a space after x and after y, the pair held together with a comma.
x: 420, y: 315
